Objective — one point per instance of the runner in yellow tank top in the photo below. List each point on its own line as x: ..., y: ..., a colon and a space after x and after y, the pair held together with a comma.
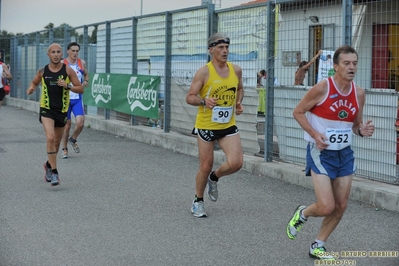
x: 217, y: 91
x: 225, y: 91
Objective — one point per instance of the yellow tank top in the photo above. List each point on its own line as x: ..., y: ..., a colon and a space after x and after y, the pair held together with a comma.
x: 221, y: 116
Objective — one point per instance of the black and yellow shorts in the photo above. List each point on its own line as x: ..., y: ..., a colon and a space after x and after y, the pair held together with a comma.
x: 59, y: 117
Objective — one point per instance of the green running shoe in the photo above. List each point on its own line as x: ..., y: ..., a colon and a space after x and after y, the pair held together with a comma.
x: 319, y: 253
x: 295, y: 224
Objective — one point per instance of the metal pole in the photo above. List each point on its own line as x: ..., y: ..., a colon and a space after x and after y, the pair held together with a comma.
x: 141, y: 8
x: 347, y: 21
x: 0, y: 14
x: 270, y: 55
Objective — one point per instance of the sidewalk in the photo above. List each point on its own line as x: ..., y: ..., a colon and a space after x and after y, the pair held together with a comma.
x: 376, y: 194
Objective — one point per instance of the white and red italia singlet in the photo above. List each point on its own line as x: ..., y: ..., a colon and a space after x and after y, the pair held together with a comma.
x: 334, y: 115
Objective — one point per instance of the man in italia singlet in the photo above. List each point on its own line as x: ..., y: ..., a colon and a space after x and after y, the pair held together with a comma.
x: 330, y: 113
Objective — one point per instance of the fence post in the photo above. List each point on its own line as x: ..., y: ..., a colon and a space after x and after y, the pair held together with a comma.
x: 67, y: 39
x: 212, y: 23
x: 107, y: 58
x: 51, y: 36
x: 26, y: 82
x: 347, y: 21
x: 37, y: 96
x: 14, y: 66
x: 168, y: 70
x: 134, y: 57
x: 86, y: 44
x: 271, y: 9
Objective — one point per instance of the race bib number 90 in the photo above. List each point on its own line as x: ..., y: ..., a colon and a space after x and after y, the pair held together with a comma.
x: 222, y: 114
x: 338, y: 138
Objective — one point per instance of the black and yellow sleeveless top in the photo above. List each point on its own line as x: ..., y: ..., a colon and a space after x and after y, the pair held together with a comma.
x: 225, y: 89
x: 54, y: 97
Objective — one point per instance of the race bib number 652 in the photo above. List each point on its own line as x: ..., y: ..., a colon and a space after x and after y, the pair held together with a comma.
x: 338, y: 138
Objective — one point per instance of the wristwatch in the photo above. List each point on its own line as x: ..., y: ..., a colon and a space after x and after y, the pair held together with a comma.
x: 69, y: 86
x: 202, y: 102
x: 360, y: 133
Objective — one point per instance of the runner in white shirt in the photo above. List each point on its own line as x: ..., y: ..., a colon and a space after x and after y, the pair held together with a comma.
x: 76, y: 101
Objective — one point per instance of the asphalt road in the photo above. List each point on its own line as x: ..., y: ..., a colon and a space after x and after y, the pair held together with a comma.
x: 122, y: 202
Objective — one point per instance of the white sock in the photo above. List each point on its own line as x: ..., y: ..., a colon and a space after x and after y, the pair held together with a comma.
x: 319, y: 243
x: 303, y: 218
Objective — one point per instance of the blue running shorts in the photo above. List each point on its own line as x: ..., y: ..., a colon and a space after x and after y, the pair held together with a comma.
x: 330, y: 163
x: 76, y: 107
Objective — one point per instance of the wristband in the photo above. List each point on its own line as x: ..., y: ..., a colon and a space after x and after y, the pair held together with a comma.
x: 360, y: 134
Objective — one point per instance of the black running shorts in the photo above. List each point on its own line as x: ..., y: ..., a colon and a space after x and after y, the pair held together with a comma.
x: 211, y: 135
x: 2, y: 94
x: 59, y: 117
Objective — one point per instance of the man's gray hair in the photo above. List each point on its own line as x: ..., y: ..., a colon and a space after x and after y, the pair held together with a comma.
x: 217, y: 36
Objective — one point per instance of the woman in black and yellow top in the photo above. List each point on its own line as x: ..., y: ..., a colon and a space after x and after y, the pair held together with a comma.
x: 218, y: 92
x: 54, y: 102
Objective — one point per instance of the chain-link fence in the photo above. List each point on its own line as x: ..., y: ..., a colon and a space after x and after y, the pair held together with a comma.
x: 275, y: 36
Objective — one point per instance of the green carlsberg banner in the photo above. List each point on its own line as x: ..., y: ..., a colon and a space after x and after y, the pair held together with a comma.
x: 130, y: 94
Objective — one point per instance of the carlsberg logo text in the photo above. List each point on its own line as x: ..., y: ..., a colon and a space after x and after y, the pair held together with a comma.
x: 140, y: 93
x: 99, y: 90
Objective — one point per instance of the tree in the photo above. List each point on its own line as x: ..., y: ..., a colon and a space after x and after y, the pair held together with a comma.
x: 59, y: 32
x: 93, y: 37
x: 5, y: 44
x: 49, y: 26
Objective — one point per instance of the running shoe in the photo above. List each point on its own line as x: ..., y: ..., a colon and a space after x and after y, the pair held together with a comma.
x: 198, y: 209
x: 75, y: 146
x: 64, y: 154
x: 55, y: 180
x: 212, y: 190
x: 47, y: 175
x: 296, y: 222
x: 319, y: 253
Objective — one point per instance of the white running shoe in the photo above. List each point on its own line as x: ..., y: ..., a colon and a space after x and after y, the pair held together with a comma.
x: 198, y: 209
